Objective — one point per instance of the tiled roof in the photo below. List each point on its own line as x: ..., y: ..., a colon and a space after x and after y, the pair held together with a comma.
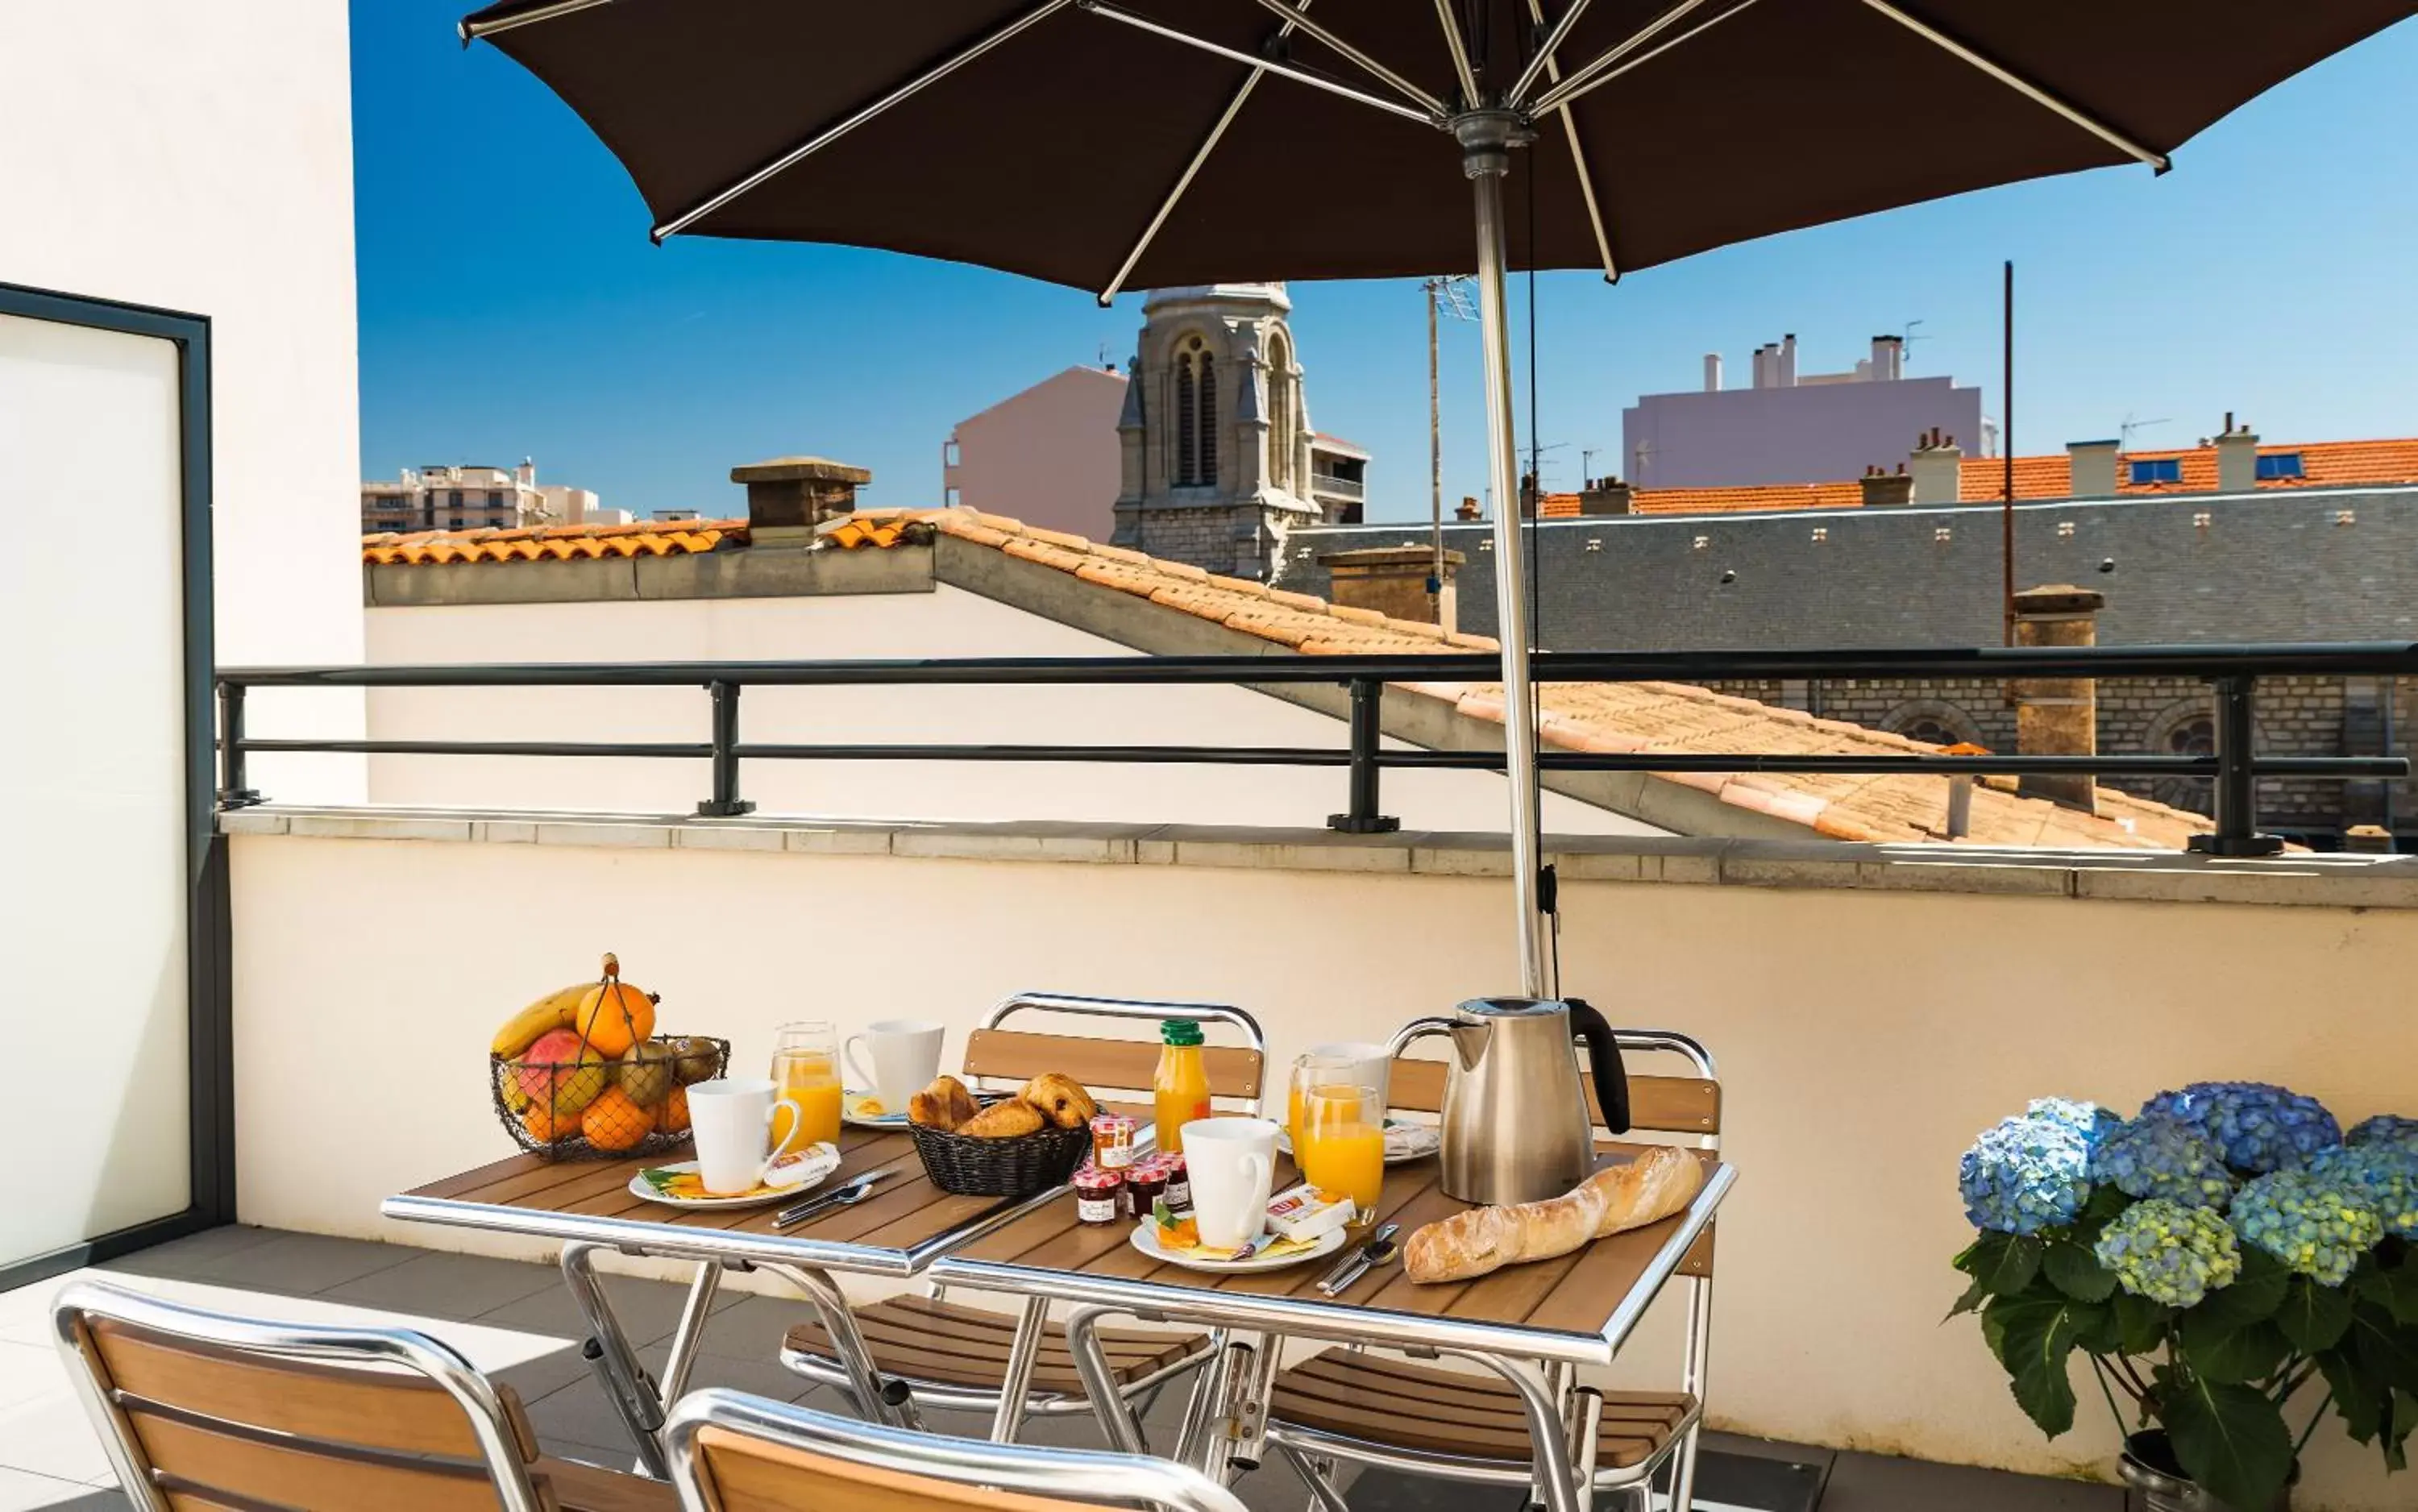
x: 2323, y: 465
x: 1626, y: 717
x: 646, y: 537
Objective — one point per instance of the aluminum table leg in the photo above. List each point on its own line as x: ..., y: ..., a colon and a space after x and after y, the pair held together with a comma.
x: 627, y: 1386
x: 1548, y: 1431
x: 1017, y: 1385
x: 849, y: 1348
x: 1100, y: 1381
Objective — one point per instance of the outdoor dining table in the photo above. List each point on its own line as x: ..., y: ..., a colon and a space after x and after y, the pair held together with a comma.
x: 586, y: 1205
x: 1533, y: 1325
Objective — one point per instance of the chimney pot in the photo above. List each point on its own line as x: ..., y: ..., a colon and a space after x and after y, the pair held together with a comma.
x: 787, y: 497
x: 1608, y: 495
x: 1468, y: 510
x: 1883, y: 489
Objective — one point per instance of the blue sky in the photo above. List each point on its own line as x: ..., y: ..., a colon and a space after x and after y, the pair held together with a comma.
x: 512, y: 305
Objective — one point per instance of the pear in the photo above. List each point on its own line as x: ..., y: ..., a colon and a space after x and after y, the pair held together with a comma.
x: 699, y: 1058
x: 645, y: 1073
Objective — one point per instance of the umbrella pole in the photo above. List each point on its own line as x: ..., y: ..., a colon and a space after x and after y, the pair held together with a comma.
x: 1486, y: 141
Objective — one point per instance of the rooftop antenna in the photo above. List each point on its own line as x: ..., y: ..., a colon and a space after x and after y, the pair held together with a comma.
x: 1907, y: 338
x: 2131, y: 425
x: 1447, y: 296
x: 1587, y: 464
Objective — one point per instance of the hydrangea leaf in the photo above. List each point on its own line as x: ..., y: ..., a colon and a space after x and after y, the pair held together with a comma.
x: 2255, y: 1294
x: 2395, y: 1289
x: 2356, y: 1402
x: 2074, y: 1271
x: 2233, y: 1355
x: 2386, y: 1350
x: 2396, y: 1434
x: 2313, y: 1317
x: 2018, y: 1263
x: 2230, y: 1439
x: 2038, y: 1335
x: 1971, y: 1301
x: 2140, y: 1323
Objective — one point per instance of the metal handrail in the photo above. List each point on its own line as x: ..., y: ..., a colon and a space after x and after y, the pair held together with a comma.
x: 2232, y: 669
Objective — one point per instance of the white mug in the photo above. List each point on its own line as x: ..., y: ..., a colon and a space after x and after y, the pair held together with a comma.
x: 906, y: 1055
x: 1371, y: 1065
x: 732, y: 1120
x: 1230, y: 1162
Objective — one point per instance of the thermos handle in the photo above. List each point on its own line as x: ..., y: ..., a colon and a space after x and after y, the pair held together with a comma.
x: 1604, y: 1057
x: 1418, y: 1028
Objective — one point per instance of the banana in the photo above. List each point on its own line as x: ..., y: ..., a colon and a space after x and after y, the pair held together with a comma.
x: 556, y: 1010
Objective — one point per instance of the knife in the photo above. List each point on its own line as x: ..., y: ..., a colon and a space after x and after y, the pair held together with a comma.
x: 1379, y: 1249
x: 846, y: 1192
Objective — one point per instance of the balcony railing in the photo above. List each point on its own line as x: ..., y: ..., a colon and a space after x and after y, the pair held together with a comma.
x: 1327, y: 482
x: 2232, y: 671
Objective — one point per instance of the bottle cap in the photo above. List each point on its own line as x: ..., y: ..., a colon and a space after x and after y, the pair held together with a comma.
x: 1179, y: 1032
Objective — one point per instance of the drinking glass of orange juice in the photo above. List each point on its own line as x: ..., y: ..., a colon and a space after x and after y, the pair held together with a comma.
x: 805, y: 1068
x: 1311, y: 1071
x: 1341, y: 1147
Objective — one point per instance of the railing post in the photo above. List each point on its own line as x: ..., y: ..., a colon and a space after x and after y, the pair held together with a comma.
x: 232, y: 791
x: 1364, y: 817
x: 2237, y: 780
x: 725, y: 801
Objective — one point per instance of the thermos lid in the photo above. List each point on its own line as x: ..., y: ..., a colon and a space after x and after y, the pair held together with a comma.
x: 1514, y: 1007
x: 1179, y: 1030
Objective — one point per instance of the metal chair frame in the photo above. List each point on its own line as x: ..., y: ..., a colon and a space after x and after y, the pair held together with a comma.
x: 1088, y: 1475
x: 941, y: 1396
x: 413, y: 1352
x: 1313, y: 1453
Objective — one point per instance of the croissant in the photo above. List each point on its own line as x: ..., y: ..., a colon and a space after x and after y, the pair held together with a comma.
x: 943, y: 1105
x: 1062, y: 1098
x: 1010, y: 1119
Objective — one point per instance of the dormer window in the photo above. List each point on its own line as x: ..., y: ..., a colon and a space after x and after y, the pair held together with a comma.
x: 2147, y: 471
x: 2280, y: 467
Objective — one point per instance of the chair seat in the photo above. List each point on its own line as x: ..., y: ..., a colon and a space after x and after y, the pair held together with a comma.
x: 934, y: 1342
x: 1385, y: 1402
x: 579, y: 1487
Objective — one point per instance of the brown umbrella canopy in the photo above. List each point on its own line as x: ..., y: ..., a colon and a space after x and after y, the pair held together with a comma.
x: 1051, y: 153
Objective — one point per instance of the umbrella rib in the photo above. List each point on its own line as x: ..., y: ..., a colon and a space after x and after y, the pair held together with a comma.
x: 1544, y: 59
x: 1604, y: 69
x: 1294, y: 18
x: 472, y: 31
x: 1459, y: 50
x: 1184, y: 183
x: 2025, y: 88
x: 1283, y: 71
x: 830, y: 134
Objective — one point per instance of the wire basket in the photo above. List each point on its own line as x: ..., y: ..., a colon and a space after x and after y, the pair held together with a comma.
x: 1018, y: 1167
x: 559, y: 1109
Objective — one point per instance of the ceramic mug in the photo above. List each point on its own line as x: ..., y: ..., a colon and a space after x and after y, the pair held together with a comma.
x: 1230, y: 1162
x: 732, y: 1120
x: 902, y: 1056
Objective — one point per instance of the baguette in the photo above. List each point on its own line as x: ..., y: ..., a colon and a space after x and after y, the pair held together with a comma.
x: 1659, y: 1183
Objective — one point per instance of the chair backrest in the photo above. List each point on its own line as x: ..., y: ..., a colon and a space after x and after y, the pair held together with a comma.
x: 731, y: 1452
x: 1658, y: 1104
x: 1110, y: 1065
x: 201, y: 1409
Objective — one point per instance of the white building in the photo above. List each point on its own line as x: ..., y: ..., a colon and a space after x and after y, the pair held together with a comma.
x: 467, y: 496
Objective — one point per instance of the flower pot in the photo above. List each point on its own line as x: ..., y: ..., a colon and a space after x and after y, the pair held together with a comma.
x: 2154, y: 1483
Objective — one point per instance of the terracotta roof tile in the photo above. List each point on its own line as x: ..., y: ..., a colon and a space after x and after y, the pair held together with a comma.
x: 646, y: 537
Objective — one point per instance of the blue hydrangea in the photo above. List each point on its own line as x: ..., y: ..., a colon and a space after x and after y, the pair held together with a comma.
x: 2318, y: 1227
x: 2259, y: 1127
x: 2024, y: 1175
x: 2169, y: 1252
x: 2385, y: 1174
x: 2092, y: 1122
x: 2386, y: 1128
x: 2160, y: 1156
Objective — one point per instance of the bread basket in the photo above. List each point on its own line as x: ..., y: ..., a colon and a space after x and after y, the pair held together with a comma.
x: 1023, y: 1166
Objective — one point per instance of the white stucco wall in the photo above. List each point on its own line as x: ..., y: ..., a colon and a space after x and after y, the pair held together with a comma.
x: 946, y: 622
x: 199, y: 158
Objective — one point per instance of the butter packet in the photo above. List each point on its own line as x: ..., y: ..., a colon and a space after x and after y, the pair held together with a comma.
x: 1305, y: 1212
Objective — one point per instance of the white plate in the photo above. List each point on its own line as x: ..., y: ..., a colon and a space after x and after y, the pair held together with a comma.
x: 1404, y: 1141
x: 887, y: 1121
x: 794, y: 1174
x: 1145, y: 1238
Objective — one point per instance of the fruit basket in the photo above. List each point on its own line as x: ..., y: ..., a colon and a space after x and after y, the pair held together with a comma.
x: 581, y: 1074
x: 1019, y: 1167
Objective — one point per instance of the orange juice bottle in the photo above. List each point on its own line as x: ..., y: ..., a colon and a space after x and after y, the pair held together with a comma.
x: 1181, y: 1089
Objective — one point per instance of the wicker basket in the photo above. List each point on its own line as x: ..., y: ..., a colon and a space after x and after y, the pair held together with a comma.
x: 1021, y: 1166
x: 505, y: 1072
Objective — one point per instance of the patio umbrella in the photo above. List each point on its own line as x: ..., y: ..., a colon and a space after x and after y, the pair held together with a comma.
x: 1125, y: 143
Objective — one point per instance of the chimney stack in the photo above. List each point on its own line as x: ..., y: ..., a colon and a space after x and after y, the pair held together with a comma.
x: 2057, y: 716
x: 2092, y: 465
x: 1889, y: 358
x: 1938, y: 469
x: 1468, y: 510
x: 1712, y: 373
x: 787, y: 497
x: 1882, y: 489
x: 1393, y: 580
x: 2237, y: 458
x: 1784, y: 362
x: 1607, y: 495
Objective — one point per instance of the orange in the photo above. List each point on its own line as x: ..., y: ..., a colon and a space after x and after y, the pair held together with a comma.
x: 672, y: 1118
x: 545, y: 1128
x: 612, y: 1121
x: 613, y: 1016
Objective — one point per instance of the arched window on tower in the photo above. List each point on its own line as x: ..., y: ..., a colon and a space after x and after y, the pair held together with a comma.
x: 1283, y: 434
x: 1187, y: 415
x: 1205, y: 446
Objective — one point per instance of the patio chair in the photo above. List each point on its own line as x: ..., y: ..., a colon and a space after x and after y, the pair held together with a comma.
x: 934, y: 1354
x: 200, y: 1408
x: 1364, y: 1408
x: 731, y: 1452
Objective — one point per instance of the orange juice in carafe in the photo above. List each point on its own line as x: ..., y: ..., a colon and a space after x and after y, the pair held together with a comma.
x: 806, y: 1071
x: 1341, y: 1145
x: 1180, y: 1091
